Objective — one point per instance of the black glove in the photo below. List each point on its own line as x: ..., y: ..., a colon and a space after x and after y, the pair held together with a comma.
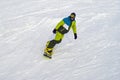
x: 54, y: 31
x: 75, y: 35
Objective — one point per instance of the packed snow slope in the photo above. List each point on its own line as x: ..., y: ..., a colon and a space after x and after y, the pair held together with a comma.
x: 26, y: 26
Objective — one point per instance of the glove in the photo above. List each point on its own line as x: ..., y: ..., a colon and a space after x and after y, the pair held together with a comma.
x: 75, y: 35
x: 54, y: 31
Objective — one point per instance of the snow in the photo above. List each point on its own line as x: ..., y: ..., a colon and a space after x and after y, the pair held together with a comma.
x: 26, y: 26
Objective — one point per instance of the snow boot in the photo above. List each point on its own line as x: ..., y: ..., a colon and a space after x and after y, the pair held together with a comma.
x: 48, y: 52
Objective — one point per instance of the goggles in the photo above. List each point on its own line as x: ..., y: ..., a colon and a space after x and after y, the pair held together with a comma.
x: 72, y: 16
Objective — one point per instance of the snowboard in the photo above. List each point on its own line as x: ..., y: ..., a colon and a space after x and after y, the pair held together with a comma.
x: 47, y: 56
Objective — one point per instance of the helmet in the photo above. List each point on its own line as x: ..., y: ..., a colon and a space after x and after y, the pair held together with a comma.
x: 73, y: 14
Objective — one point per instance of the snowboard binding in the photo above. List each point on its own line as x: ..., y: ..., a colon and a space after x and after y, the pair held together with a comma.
x: 48, y: 52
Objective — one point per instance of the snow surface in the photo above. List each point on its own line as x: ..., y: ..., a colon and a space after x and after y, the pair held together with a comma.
x: 26, y: 26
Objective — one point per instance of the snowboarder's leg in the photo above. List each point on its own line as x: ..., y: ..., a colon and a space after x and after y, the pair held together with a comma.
x: 59, y: 37
x: 49, y: 47
x: 50, y: 44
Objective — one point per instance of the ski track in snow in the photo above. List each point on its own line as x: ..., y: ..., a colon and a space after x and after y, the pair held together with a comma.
x: 26, y: 26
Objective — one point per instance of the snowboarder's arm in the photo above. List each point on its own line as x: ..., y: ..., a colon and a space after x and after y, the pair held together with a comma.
x: 61, y: 23
x: 74, y: 27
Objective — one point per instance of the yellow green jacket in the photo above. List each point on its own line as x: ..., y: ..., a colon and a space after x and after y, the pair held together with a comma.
x: 69, y: 23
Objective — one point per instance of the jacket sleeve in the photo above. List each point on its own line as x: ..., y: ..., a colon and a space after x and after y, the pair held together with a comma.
x: 61, y: 23
x: 74, y: 27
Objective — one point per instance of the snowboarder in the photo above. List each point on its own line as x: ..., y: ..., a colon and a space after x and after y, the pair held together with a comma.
x: 62, y: 28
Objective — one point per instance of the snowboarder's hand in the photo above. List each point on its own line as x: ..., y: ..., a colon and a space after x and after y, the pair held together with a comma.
x: 75, y: 35
x: 54, y: 31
